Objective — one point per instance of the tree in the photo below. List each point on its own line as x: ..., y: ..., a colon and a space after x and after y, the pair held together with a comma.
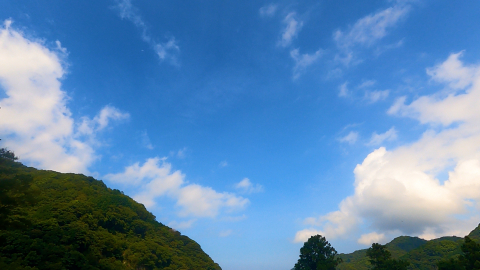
x: 317, y: 254
x: 468, y: 260
x: 6, y: 154
x: 381, y: 259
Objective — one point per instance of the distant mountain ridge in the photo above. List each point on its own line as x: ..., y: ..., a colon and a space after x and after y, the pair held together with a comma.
x: 77, y: 222
x: 422, y: 254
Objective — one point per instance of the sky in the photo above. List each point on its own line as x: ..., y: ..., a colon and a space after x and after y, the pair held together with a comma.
x: 250, y: 126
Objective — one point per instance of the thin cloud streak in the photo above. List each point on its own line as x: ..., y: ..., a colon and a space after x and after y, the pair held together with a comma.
x: 166, y: 51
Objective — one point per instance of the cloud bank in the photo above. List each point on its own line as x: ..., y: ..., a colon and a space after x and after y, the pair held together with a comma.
x: 401, y: 191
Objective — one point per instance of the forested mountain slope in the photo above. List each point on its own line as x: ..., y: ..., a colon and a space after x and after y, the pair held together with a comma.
x: 51, y: 220
x: 422, y: 254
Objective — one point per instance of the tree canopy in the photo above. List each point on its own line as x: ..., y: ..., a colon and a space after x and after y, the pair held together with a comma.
x: 381, y: 259
x: 77, y: 222
x: 469, y: 259
x: 317, y: 254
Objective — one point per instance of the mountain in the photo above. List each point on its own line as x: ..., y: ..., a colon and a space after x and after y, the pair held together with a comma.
x: 422, y: 254
x: 52, y: 220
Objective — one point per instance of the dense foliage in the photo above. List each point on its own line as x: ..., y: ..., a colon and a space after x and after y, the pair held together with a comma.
x: 317, y: 254
x: 469, y: 259
x: 381, y: 259
x: 52, y: 220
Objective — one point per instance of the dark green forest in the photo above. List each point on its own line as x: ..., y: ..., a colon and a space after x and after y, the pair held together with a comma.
x: 51, y: 220
x: 419, y: 253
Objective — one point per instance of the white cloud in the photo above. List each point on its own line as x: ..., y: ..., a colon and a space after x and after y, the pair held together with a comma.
x: 303, y: 235
x: 99, y: 122
x: 370, y: 238
x: 35, y: 120
x: 343, y: 90
x: 168, y: 50
x: 457, y: 103
x: 292, y: 27
x: 378, y: 139
x: 303, y: 61
x: 377, y: 95
x: 268, y: 10
x: 155, y: 179
x: 350, y: 138
x: 248, y: 187
x: 399, y: 191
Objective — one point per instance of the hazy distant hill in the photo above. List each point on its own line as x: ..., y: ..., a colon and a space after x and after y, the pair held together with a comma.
x: 76, y: 222
x: 421, y: 254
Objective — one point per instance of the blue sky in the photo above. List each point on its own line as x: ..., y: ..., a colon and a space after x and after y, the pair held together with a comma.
x: 251, y: 125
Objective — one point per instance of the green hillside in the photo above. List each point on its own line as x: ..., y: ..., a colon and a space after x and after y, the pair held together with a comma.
x: 422, y: 254
x: 51, y: 220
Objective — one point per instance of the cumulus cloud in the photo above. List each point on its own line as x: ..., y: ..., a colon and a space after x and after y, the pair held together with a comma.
x: 350, y: 138
x: 168, y: 50
x: 246, y: 186
x: 268, y: 10
x: 378, y: 139
x: 35, y: 119
x: 156, y: 178
x: 292, y: 27
x: 400, y: 191
x: 368, y: 30
x: 302, y: 61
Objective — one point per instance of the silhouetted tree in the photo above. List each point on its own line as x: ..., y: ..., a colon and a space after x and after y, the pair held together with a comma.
x: 317, y: 254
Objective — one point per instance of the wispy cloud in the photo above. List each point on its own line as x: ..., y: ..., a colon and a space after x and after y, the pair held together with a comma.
x: 302, y: 61
x: 389, y: 184
x: 225, y: 233
x: 367, y: 84
x: 378, y: 139
x: 368, y: 30
x: 343, y: 90
x: 156, y: 179
x: 350, y: 138
x: 376, y: 95
x: 182, y: 225
x: 145, y: 140
x: 268, y: 10
x: 166, y: 51
x: 35, y: 116
x: 292, y: 27
x: 223, y: 164
x: 245, y: 186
